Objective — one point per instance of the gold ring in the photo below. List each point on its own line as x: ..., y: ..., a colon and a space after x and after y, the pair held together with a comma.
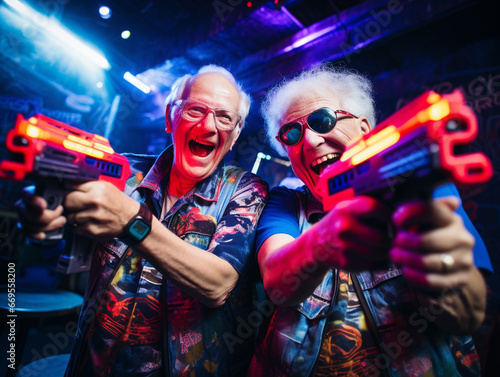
x: 448, y: 262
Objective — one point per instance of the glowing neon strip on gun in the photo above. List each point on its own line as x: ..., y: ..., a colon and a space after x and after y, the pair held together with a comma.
x: 41, y: 148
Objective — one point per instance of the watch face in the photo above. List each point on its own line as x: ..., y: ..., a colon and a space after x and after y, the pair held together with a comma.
x: 139, y: 229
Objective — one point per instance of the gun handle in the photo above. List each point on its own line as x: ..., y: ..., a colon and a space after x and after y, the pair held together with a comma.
x: 54, y: 194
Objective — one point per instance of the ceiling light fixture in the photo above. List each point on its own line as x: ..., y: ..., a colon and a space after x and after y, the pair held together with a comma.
x: 136, y: 82
x: 105, y: 12
x: 53, y: 26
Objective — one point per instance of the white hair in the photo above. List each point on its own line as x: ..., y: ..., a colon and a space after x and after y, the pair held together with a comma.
x: 354, y: 91
x: 180, y: 88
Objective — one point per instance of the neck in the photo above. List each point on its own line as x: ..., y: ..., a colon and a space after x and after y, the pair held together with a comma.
x: 178, y: 185
x: 175, y: 189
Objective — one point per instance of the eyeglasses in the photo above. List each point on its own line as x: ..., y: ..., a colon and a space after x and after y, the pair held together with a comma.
x: 320, y: 121
x: 195, y: 111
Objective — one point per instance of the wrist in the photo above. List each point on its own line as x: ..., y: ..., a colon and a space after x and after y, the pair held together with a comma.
x: 138, y: 228
x: 324, y: 248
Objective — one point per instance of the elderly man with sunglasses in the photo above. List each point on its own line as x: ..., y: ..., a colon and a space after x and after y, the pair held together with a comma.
x: 351, y: 301
x: 171, y: 278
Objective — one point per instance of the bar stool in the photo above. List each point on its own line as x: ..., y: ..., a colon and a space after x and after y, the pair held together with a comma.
x: 30, y: 306
x: 53, y: 366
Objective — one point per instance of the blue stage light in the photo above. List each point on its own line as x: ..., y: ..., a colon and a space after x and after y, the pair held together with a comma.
x: 105, y: 12
x: 136, y: 82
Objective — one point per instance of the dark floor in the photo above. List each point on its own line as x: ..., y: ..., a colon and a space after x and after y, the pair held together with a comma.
x: 46, y: 337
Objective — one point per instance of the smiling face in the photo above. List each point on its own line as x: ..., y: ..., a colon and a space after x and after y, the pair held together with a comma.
x: 200, y: 146
x: 315, y: 151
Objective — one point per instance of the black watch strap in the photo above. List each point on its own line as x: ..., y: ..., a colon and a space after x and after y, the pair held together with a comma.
x: 138, y: 228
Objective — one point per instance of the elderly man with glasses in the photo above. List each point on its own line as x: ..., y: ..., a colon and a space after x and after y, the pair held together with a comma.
x: 170, y: 286
x: 351, y: 301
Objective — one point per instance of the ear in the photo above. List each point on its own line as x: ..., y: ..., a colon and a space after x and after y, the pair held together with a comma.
x: 168, y: 120
x: 364, y: 124
x: 236, y: 134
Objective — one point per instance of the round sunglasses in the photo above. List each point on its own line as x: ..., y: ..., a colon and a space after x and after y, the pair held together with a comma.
x: 320, y: 121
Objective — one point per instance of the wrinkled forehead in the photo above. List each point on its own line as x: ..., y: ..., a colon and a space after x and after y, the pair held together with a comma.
x: 305, y: 103
x: 215, y: 89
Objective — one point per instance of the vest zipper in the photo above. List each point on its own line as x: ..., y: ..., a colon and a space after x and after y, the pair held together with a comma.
x: 105, y: 288
x: 336, y: 279
x: 164, y: 316
x: 369, y: 316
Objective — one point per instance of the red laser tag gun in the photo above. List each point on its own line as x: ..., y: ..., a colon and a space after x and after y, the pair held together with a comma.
x: 409, y: 154
x: 51, y: 154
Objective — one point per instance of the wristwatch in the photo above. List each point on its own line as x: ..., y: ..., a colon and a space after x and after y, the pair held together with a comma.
x: 138, y: 228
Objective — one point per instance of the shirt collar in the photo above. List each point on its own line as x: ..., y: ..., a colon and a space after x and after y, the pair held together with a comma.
x: 313, y: 207
x: 161, y: 169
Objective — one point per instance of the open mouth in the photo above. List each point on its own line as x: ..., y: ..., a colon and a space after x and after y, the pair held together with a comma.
x: 201, y: 148
x: 318, y: 166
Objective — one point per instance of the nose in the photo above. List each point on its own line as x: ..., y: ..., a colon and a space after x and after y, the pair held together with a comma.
x: 312, y: 139
x: 209, y: 121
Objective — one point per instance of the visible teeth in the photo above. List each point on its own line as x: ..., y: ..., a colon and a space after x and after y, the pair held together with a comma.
x: 329, y: 156
x: 204, y: 142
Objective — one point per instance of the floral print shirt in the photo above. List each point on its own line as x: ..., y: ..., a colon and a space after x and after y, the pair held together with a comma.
x: 135, y: 322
